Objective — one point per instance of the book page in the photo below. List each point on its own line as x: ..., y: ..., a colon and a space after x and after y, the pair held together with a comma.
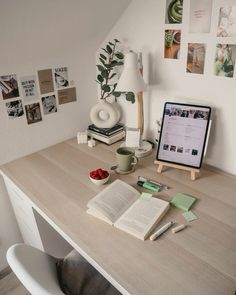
x: 142, y: 217
x: 113, y: 200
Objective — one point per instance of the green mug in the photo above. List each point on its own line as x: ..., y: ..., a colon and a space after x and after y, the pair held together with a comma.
x: 126, y: 159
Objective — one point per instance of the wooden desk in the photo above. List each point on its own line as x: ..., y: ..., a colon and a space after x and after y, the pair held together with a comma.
x: 199, y: 260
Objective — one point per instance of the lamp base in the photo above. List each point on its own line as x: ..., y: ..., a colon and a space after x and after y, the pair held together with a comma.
x: 144, y: 150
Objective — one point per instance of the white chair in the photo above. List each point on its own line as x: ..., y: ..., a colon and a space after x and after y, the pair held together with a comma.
x: 35, y: 269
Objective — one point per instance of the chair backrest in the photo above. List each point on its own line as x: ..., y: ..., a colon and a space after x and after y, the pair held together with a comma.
x: 35, y: 269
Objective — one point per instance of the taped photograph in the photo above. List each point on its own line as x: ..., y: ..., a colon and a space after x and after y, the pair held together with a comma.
x: 66, y: 95
x: 49, y: 104
x: 9, y: 86
x: 227, y: 22
x: 225, y: 60
x: 174, y: 11
x: 33, y: 113
x: 15, y: 109
x: 196, y: 58
x: 61, y: 77
x: 29, y: 89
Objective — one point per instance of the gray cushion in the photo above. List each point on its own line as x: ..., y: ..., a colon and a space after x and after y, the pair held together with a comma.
x: 77, y: 277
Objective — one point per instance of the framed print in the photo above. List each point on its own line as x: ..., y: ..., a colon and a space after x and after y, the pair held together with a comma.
x: 183, y: 134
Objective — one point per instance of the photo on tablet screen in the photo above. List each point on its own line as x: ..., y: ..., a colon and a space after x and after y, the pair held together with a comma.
x: 183, y: 134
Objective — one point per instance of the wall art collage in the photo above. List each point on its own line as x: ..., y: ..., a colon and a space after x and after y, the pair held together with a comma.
x: 200, y: 22
x: 22, y: 95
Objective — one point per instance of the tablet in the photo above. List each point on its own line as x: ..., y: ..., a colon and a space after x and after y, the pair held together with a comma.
x: 183, y: 134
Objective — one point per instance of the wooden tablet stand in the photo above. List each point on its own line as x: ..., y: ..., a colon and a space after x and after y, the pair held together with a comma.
x: 192, y: 171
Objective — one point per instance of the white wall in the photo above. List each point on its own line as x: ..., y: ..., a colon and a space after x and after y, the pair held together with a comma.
x: 141, y: 28
x: 46, y: 34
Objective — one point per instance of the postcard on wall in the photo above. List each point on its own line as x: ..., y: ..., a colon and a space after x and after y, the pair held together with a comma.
x: 227, y: 22
x: 45, y: 81
x: 172, y: 44
x: 225, y: 60
x: 29, y: 88
x: 200, y: 16
x: 15, y: 109
x: 196, y: 58
x: 9, y: 86
x: 49, y: 104
x: 33, y: 113
x: 174, y: 11
x: 61, y: 77
x: 67, y: 95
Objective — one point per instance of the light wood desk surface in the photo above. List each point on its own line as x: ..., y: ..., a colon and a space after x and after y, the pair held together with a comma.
x: 198, y: 260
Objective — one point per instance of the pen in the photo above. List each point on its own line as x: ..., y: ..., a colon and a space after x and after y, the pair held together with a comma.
x: 161, y: 230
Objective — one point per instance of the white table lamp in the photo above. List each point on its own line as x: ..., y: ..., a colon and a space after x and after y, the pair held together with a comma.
x: 131, y: 80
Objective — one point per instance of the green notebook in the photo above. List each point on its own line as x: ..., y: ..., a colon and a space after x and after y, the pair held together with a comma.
x: 182, y: 201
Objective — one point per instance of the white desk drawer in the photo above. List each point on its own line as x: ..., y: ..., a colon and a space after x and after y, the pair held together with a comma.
x: 24, y: 215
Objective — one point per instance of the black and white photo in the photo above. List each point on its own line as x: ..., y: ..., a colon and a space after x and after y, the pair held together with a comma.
x: 61, y: 77
x: 15, y: 109
x: 49, y: 104
x: 29, y: 89
x: 33, y: 113
x: 9, y: 86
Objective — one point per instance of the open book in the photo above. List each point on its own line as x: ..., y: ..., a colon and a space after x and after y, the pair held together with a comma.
x: 123, y: 206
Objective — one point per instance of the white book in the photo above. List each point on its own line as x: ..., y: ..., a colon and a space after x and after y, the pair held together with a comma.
x: 122, y: 206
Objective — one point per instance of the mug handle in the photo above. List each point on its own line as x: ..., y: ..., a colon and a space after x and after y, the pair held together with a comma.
x: 135, y: 162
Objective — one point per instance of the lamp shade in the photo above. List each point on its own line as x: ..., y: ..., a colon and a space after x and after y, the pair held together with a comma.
x: 131, y: 79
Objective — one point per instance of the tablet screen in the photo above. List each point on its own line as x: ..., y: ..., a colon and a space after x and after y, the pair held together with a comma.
x: 183, y: 134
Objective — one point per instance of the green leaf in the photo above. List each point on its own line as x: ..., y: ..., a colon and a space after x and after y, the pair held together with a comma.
x: 105, y: 50
x: 105, y: 74
x: 115, y: 86
x: 102, y: 61
x: 100, y: 78
x: 103, y: 56
x: 117, y: 41
x: 130, y: 97
x: 119, y: 63
x: 113, y: 75
x: 114, y: 63
x: 117, y: 94
x: 112, y: 44
x: 100, y: 68
x: 106, y: 88
x: 119, y: 55
x: 109, y: 49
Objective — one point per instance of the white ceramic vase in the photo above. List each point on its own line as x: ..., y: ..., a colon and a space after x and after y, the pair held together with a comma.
x: 105, y: 114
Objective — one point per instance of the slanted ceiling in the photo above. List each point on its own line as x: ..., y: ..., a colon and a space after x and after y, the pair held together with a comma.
x: 54, y: 25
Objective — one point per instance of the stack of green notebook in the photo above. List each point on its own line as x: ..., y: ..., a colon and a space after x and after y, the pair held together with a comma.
x: 183, y: 201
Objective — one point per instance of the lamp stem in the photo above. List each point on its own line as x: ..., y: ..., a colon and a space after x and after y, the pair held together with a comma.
x: 140, y: 112
x: 140, y: 97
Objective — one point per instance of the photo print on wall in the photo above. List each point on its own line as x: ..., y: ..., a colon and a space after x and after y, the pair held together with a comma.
x: 9, y: 86
x: 200, y: 16
x: 15, y: 109
x: 196, y: 58
x: 49, y: 104
x: 61, y: 77
x: 225, y: 60
x: 29, y: 89
x: 66, y: 95
x: 172, y: 44
x: 33, y: 113
x: 227, y: 22
x: 45, y: 81
x: 174, y: 11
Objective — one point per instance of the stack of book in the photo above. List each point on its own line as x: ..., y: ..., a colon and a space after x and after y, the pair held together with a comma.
x: 107, y: 135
